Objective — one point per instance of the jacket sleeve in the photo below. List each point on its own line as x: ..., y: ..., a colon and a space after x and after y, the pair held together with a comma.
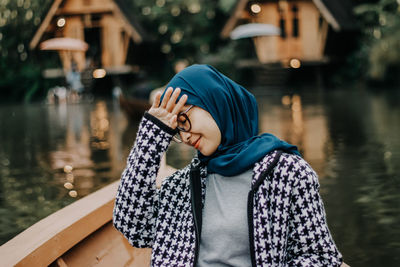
x: 136, y: 202
x: 309, y: 240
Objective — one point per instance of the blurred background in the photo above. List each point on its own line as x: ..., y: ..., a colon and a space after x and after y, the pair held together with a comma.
x: 77, y: 75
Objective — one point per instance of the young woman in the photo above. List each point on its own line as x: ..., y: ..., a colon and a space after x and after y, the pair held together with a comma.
x: 245, y: 200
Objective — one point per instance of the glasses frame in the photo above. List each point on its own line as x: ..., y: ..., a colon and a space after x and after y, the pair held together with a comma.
x: 179, y: 129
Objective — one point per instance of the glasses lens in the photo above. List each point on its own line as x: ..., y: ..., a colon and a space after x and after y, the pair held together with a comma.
x: 183, y: 122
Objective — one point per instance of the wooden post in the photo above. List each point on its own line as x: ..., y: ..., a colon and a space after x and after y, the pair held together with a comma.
x: 74, y: 29
x: 112, y: 42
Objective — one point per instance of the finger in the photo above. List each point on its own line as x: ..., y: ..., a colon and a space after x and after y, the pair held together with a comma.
x: 156, y: 101
x: 172, y: 100
x: 180, y: 104
x: 166, y: 97
x: 173, y: 122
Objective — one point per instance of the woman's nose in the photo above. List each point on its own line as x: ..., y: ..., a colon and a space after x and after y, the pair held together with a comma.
x: 185, y: 136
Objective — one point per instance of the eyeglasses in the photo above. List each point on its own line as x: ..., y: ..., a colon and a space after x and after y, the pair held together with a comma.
x: 184, y: 124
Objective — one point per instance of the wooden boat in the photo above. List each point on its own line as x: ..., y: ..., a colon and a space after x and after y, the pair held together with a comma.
x: 81, y: 234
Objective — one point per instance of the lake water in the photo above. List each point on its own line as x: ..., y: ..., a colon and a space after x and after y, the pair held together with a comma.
x: 51, y: 155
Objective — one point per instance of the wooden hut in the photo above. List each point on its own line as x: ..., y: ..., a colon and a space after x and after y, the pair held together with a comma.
x: 304, y: 27
x: 104, y: 24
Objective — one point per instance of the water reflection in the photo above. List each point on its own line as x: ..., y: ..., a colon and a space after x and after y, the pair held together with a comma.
x: 52, y: 155
x: 362, y: 129
x: 304, y: 126
x: 351, y: 140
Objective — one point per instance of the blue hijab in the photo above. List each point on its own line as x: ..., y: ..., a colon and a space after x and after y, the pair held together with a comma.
x: 235, y: 111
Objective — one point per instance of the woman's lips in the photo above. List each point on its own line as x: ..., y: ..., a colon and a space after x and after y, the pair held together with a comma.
x: 196, y: 145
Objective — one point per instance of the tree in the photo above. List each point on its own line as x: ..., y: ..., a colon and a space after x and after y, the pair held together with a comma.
x: 381, y: 44
x: 186, y: 29
x: 20, y: 71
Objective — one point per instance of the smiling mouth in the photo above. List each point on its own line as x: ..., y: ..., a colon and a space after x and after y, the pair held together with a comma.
x: 197, y: 143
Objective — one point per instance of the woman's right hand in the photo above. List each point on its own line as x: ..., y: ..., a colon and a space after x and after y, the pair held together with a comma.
x: 168, y: 110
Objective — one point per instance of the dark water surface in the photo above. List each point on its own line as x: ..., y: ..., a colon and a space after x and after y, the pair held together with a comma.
x: 51, y: 155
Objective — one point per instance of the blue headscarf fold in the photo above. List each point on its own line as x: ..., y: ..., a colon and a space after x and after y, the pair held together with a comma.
x: 234, y: 109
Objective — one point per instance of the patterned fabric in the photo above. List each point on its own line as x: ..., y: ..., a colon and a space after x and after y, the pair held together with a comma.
x: 289, y: 218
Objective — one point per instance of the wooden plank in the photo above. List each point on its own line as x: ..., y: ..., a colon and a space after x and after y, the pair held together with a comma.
x: 115, y: 42
x: 327, y: 15
x: 308, y: 29
x: 36, y: 38
x: 106, y: 41
x: 268, y: 48
x: 74, y: 28
x: 106, y: 247
x: 47, y: 240
x: 61, y: 263
x: 85, y: 10
x: 125, y: 47
x: 323, y: 36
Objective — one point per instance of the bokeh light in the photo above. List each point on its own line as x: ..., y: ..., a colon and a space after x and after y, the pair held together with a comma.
x: 255, y: 8
x: 99, y: 73
x: 61, y: 22
x: 295, y: 63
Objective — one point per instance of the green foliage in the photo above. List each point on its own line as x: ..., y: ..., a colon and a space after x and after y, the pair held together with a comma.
x: 184, y: 29
x: 381, y: 44
x: 190, y: 30
x: 21, y: 76
x: 226, y: 5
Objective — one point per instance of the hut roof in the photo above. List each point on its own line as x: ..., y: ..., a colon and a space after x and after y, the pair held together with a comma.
x: 124, y: 7
x: 130, y: 24
x: 338, y: 13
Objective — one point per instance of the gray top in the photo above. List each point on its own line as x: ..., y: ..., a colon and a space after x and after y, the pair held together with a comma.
x: 225, y: 233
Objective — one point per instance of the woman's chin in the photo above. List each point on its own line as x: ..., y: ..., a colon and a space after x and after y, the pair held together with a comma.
x: 206, y: 151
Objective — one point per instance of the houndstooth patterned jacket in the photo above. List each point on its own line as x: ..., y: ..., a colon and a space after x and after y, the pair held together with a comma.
x: 287, y: 225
